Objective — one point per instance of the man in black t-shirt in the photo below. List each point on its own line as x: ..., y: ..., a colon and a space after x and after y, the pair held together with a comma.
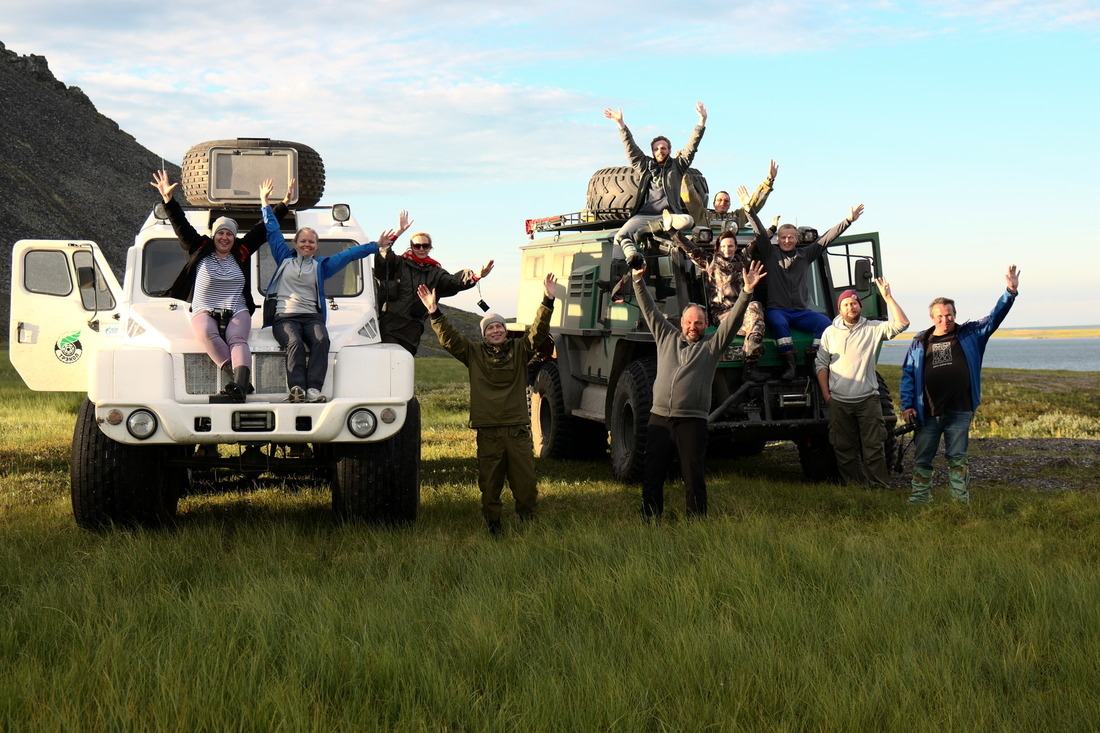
x: 941, y: 386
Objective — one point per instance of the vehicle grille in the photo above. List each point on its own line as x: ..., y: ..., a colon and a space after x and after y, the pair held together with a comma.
x: 202, y: 377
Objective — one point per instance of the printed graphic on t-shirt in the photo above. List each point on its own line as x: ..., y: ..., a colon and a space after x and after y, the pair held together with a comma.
x: 941, y: 354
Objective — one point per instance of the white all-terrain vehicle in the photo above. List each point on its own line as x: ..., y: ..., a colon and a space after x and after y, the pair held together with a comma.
x: 149, y: 419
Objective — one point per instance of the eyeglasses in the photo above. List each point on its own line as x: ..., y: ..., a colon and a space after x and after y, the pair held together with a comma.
x: 421, y: 245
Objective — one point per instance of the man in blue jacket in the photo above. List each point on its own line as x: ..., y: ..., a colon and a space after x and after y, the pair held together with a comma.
x: 941, y: 386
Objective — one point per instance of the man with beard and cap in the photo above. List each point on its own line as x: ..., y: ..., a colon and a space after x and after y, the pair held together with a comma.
x: 941, y: 387
x: 400, y: 276
x: 686, y: 360
x: 498, y: 401
x: 849, y: 385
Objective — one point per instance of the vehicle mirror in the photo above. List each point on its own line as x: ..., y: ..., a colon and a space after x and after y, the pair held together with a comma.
x: 85, y: 277
x: 863, y: 275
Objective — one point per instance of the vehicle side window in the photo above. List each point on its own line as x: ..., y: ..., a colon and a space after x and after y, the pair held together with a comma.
x: 344, y: 284
x: 94, y: 294
x: 47, y: 272
x: 161, y: 262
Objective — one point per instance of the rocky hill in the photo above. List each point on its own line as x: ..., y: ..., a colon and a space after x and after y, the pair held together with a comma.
x: 68, y: 172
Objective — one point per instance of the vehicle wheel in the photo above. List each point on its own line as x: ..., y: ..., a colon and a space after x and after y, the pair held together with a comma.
x: 818, y: 459
x: 115, y: 483
x: 889, y: 418
x: 557, y: 434
x: 380, y: 482
x: 195, y: 171
x: 630, y: 407
x: 612, y: 192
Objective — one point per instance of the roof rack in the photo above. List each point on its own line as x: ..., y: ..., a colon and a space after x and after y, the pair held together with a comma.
x: 578, y: 221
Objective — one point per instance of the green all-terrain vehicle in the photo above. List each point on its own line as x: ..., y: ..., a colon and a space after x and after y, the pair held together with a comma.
x: 599, y: 378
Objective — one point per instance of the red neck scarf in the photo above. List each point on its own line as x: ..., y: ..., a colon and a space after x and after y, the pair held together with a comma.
x: 425, y: 260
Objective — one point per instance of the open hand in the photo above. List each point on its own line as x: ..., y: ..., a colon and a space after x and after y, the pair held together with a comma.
x: 549, y: 285
x: 753, y: 275
x: 427, y: 297
x: 161, y: 183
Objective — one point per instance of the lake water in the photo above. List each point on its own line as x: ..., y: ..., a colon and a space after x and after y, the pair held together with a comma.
x: 1079, y: 355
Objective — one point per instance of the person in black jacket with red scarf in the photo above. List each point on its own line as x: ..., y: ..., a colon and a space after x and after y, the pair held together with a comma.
x: 402, y: 318
x: 217, y: 281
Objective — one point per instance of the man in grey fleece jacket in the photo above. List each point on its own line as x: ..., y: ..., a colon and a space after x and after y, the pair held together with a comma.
x: 849, y: 385
x: 686, y: 360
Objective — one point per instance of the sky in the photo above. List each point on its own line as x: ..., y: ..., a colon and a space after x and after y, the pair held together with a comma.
x: 967, y: 129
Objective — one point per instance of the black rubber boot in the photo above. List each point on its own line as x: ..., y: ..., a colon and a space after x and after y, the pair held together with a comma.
x: 240, y: 385
x: 792, y: 365
x: 751, y: 373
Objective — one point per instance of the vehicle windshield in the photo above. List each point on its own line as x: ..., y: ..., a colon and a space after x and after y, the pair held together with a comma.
x: 164, y: 258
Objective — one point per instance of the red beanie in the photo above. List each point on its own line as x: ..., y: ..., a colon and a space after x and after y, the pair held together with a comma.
x: 849, y: 293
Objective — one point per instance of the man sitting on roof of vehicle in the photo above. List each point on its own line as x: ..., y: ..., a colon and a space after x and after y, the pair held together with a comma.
x: 789, y: 268
x: 661, y: 177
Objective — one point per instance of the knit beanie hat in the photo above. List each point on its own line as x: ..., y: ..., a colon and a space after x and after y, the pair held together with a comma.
x: 491, y: 318
x: 224, y: 222
x: 849, y: 293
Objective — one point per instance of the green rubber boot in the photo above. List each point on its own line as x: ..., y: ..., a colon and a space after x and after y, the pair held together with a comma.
x: 922, y: 486
x: 959, y: 475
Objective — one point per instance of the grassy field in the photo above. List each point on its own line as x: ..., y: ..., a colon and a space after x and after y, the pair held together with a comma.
x: 792, y: 607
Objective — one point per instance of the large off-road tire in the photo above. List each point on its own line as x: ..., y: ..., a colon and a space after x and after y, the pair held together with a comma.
x: 556, y: 433
x: 612, y: 192
x: 380, y: 482
x: 630, y: 407
x: 117, y: 484
x: 818, y: 458
x: 195, y: 170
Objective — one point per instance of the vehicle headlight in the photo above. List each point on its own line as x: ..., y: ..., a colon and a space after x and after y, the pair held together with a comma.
x: 362, y: 422
x: 141, y: 424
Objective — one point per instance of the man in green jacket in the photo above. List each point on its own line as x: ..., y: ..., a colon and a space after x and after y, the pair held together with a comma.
x: 498, y: 402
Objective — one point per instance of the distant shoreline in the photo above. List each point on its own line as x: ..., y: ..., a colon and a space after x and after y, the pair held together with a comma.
x: 1047, y: 333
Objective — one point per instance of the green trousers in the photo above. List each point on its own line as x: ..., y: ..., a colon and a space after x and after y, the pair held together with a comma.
x: 506, y: 452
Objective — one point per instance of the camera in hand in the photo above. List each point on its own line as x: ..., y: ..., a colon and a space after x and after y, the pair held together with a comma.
x: 905, y: 427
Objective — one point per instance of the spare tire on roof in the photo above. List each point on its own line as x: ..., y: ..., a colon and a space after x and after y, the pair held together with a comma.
x: 196, y: 170
x: 612, y: 192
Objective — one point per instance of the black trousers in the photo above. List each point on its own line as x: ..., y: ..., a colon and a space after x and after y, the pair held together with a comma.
x: 688, y: 435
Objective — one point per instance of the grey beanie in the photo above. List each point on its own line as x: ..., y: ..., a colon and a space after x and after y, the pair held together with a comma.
x: 491, y: 318
x: 224, y: 222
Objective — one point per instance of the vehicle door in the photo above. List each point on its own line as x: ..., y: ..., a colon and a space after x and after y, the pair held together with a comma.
x: 64, y: 306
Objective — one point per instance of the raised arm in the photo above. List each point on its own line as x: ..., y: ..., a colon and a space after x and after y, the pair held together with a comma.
x: 897, y: 315
x: 1012, y: 279
x: 763, y: 241
x: 161, y: 183
x: 823, y: 241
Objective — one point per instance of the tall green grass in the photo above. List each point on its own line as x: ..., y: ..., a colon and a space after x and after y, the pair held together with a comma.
x: 793, y: 606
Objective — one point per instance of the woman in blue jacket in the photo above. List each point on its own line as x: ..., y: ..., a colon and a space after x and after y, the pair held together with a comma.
x: 294, y: 305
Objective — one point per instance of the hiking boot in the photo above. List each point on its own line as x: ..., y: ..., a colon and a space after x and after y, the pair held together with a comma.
x: 297, y: 394
x: 314, y: 395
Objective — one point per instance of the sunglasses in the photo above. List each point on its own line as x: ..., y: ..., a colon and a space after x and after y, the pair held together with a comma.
x: 418, y: 245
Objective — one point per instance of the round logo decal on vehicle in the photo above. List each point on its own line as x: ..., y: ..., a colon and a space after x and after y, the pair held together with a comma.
x: 68, y: 349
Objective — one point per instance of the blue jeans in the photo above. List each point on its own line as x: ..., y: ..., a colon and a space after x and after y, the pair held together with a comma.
x: 955, y: 429
x: 780, y: 320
